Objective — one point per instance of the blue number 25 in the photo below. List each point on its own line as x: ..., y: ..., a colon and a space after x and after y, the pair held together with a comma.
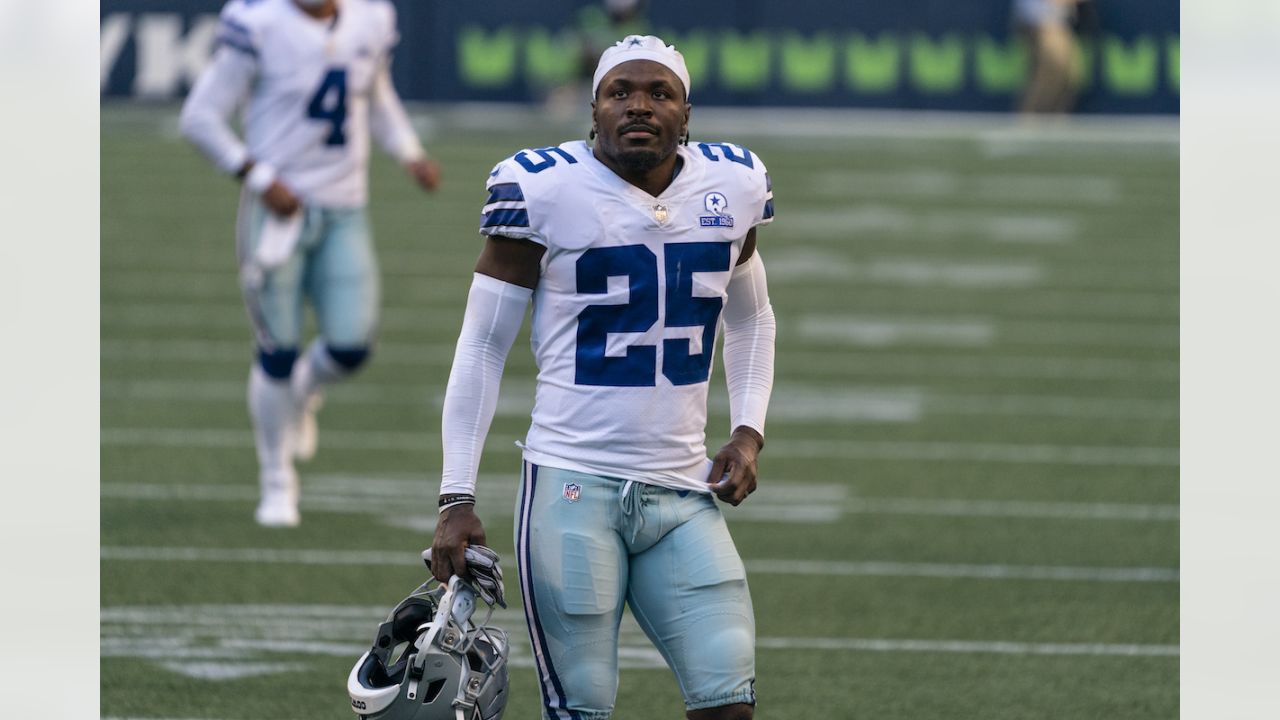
x: 329, y: 103
x: 637, y: 263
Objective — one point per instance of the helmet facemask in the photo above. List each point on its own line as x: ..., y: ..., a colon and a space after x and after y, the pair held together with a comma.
x: 430, y: 660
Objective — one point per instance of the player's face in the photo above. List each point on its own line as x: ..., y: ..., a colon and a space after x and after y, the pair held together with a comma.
x: 640, y: 115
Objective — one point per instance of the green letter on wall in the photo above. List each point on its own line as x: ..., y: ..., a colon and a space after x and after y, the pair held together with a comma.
x: 1001, y: 67
x: 551, y: 59
x: 873, y: 65
x: 484, y: 60
x: 744, y: 61
x: 696, y: 49
x: 1130, y: 70
x: 937, y: 67
x: 808, y: 65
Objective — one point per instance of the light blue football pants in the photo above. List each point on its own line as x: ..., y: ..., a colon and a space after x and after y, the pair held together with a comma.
x: 333, y: 266
x: 585, y: 544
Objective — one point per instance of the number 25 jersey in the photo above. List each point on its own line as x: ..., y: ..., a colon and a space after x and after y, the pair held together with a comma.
x: 628, y: 303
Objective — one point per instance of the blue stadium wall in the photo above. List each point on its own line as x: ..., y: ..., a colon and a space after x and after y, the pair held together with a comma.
x: 920, y: 54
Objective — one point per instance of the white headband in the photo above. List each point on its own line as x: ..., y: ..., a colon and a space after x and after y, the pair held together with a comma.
x: 641, y: 47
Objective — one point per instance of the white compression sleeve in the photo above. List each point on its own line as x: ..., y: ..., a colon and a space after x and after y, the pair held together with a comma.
x: 389, y: 123
x: 749, y: 330
x: 205, y: 119
x: 495, y: 312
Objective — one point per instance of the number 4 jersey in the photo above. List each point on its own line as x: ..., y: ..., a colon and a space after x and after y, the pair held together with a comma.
x: 628, y: 304
x: 311, y: 86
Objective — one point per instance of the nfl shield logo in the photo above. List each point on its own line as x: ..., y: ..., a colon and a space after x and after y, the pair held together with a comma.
x: 572, y: 491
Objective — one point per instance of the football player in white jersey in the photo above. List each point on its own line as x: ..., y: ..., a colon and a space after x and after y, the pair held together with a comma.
x: 634, y: 252
x: 313, y: 79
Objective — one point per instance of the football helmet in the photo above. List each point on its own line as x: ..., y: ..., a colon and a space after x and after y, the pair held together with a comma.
x: 431, y: 661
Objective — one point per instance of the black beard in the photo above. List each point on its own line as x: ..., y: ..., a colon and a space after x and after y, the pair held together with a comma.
x: 640, y: 161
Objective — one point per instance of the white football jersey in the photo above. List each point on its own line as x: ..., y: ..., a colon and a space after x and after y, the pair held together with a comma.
x: 628, y: 305
x: 309, y: 84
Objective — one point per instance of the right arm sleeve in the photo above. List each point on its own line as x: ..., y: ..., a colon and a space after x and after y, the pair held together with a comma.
x: 389, y: 123
x: 495, y: 312
x: 206, y: 114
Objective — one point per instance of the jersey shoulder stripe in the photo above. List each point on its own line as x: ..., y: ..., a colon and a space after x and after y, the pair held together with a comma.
x: 237, y: 45
x: 504, y: 218
x: 232, y: 26
x: 768, y: 199
x: 500, y: 192
x: 239, y: 26
x: 505, y: 209
x: 505, y: 212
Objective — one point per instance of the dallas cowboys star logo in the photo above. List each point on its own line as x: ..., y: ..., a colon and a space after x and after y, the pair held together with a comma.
x: 634, y: 42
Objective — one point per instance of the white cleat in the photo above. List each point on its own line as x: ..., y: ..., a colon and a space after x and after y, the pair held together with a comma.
x: 279, y: 504
x: 305, y: 437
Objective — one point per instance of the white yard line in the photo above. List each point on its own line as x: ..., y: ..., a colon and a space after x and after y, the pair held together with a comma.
x: 766, y: 567
x: 1040, y: 454
x: 847, y: 329
x: 1015, y: 509
x: 224, y: 285
x: 777, y: 501
x: 933, y: 364
x: 941, y: 183
x: 876, y: 332
x: 818, y: 265
x: 979, y: 331
x: 908, y: 223
x: 809, y: 402
x: 221, y: 642
x: 196, y: 351
x: 192, y: 350
x: 797, y: 265
x: 943, y: 570
x: 791, y: 402
x: 231, y: 315
x: 915, y: 451
x: 967, y: 647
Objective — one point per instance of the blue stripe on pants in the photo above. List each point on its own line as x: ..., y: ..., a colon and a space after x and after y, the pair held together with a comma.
x: 552, y: 691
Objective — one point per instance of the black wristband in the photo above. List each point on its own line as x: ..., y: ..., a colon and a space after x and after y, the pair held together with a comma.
x: 451, y: 499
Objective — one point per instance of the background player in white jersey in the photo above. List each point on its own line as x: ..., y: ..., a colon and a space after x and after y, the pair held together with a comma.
x: 314, y: 81
x: 634, y: 252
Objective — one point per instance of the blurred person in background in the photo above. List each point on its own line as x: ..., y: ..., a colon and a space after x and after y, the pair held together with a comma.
x: 600, y: 25
x: 1046, y: 26
x: 313, y: 79
x: 597, y: 26
x: 634, y: 252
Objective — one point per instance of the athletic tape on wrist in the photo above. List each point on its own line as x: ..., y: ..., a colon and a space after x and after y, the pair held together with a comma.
x: 260, y: 177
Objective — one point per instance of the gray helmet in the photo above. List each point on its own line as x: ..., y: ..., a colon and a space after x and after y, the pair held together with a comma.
x: 430, y: 661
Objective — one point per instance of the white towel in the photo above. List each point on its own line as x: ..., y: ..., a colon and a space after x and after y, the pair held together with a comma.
x: 279, y: 237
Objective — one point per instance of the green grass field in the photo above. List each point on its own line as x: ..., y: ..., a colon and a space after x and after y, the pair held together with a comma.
x: 969, y: 499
